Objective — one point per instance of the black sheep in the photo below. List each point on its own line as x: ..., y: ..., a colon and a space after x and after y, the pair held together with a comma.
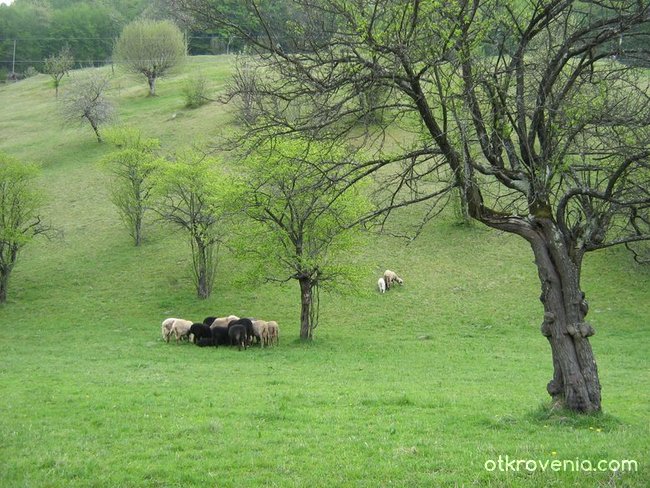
x: 200, y: 331
x: 220, y: 336
x: 209, y: 320
x: 248, y: 325
x: 205, y: 341
x: 238, y: 335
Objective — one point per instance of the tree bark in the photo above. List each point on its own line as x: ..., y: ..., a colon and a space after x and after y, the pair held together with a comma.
x: 202, y: 285
x: 152, y: 85
x: 4, y: 283
x: 95, y: 128
x: 575, y: 384
x: 137, y: 221
x: 138, y: 231
x: 305, y: 307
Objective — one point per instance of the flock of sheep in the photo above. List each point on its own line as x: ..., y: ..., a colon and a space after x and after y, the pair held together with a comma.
x: 223, y: 331
x: 385, y: 282
x: 240, y: 332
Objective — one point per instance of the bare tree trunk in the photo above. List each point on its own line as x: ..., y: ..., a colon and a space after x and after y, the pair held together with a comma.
x: 95, y: 128
x: 305, y: 307
x: 152, y: 85
x: 575, y: 383
x: 201, y: 269
x: 137, y: 228
x: 4, y: 283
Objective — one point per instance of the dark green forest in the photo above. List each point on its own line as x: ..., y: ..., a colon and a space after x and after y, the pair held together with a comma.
x: 41, y: 28
x: 32, y: 30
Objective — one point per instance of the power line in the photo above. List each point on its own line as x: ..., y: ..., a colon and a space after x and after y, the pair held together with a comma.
x: 85, y: 38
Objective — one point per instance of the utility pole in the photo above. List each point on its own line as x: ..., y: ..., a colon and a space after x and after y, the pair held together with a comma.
x: 13, y: 61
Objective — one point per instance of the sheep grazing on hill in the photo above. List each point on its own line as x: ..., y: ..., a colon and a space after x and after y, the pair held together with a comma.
x: 391, y: 277
x: 177, y: 327
x: 223, y: 321
x: 248, y: 325
x: 238, y: 336
x: 209, y: 320
x: 167, y: 328
x: 181, y: 329
x: 220, y: 336
x: 381, y: 284
x: 200, y: 331
x: 261, y: 332
x: 205, y: 342
x: 274, y: 332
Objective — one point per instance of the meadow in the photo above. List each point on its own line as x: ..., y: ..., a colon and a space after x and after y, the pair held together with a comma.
x: 430, y: 384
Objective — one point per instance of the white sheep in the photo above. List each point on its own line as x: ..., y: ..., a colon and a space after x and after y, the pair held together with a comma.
x: 167, y: 328
x: 223, y: 321
x: 381, y: 284
x: 261, y: 331
x: 274, y: 332
x: 390, y: 277
x: 181, y: 328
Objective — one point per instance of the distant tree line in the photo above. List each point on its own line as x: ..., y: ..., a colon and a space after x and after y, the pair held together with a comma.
x: 39, y: 29
x: 42, y: 28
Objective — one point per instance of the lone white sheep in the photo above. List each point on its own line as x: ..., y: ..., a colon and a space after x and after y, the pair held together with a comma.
x: 381, y: 284
x: 390, y: 277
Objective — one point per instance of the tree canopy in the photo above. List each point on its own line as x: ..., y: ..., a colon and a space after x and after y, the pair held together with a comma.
x: 194, y: 195
x: 305, y: 218
x: 20, y: 220
x: 150, y: 48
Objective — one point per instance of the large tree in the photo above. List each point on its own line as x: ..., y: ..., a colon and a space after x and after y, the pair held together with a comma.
x: 150, y: 48
x: 521, y: 104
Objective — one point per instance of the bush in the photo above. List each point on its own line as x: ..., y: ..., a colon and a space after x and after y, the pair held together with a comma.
x: 195, y: 92
x: 31, y: 71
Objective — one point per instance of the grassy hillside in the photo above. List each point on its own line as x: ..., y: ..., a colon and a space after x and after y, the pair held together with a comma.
x: 419, y: 387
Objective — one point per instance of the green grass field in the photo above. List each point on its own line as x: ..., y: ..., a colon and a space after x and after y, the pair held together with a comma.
x: 426, y: 385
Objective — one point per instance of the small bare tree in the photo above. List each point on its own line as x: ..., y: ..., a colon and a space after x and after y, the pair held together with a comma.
x: 85, y: 101
x: 244, y: 90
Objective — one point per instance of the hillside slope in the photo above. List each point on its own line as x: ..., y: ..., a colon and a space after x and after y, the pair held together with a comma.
x: 417, y: 387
